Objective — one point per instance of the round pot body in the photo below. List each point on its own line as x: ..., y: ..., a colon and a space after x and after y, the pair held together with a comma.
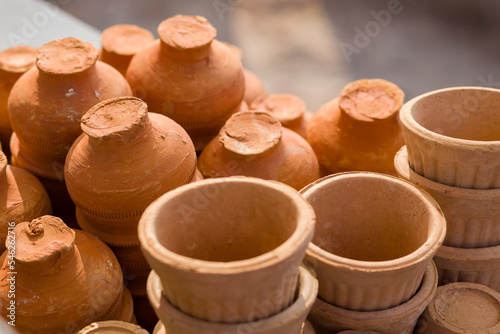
x: 375, y: 237
x: 46, y: 104
x: 472, y: 215
x: 112, y: 327
x: 189, y: 77
x: 290, y: 320
x: 229, y: 245
x: 400, y: 319
x: 452, y: 136
x: 359, y: 131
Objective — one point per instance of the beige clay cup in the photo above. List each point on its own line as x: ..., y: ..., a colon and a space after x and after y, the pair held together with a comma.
x: 112, y: 327
x: 223, y: 246
x: 306, y: 328
x: 453, y: 136
x: 375, y: 236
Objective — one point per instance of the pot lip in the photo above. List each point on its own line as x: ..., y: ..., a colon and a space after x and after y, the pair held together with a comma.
x: 403, y: 169
x: 111, y: 44
x: 120, y: 326
x: 306, y: 296
x: 484, y: 254
x: 413, y: 126
x: 421, y: 254
x: 425, y: 292
x: 296, y: 112
x: 302, y: 235
x: 15, y: 51
x: 177, y: 32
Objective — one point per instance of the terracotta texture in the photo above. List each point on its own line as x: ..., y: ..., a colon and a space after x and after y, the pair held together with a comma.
x: 121, y: 42
x: 354, y: 331
x: 472, y: 215
x: 290, y: 320
x: 306, y: 328
x: 453, y: 138
x: 112, y: 327
x: 290, y: 110
x: 462, y: 308
x: 253, y: 143
x: 66, y: 82
x: 230, y: 244
x: 22, y: 198
x: 375, y: 236
x: 359, y: 131
x: 474, y: 265
x: 401, y: 319
x: 65, y: 278
x: 13, y: 63
x: 189, y: 76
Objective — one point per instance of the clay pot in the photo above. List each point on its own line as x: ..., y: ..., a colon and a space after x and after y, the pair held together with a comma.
x: 253, y: 143
x: 189, y: 77
x: 66, y: 82
x: 306, y: 328
x: 112, y: 327
x: 229, y: 245
x: 66, y: 277
x: 22, y: 198
x: 452, y: 136
x: 121, y: 42
x: 357, y: 332
x: 359, y: 131
x: 462, y: 308
x: 472, y: 215
x: 375, y: 237
x: 13, y: 63
x: 400, y: 319
x: 290, y: 320
x: 474, y: 265
x: 290, y: 110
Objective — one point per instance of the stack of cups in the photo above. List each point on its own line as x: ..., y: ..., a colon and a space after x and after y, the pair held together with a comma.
x: 226, y: 256
x: 453, y: 153
x: 372, y: 252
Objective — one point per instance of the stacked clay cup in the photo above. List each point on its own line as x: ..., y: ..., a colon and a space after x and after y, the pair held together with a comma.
x: 226, y: 257
x: 372, y: 252
x: 453, y: 153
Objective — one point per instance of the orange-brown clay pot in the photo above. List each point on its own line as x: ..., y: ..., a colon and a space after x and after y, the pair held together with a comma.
x: 121, y: 42
x: 13, y: 63
x: 22, y: 198
x: 112, y: 327
x: 253, y: 143
x: 289, y: 109
x: 375, y: 236
x: 359, y: 131
x: 64, y: 279
x: 48, y: 101
x: 462, y: 308
x: 229, y: 245
x: 190, y: 77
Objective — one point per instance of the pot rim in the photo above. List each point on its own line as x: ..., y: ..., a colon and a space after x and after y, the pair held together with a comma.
x: 409, y: 122
x: 421, y: 254
x: 306, y: 219
x: 118, y: 325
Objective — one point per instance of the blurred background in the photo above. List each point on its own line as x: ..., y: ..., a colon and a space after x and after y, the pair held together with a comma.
x: 311, y: 48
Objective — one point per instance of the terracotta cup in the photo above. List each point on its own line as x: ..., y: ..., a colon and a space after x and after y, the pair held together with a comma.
x: 306, y: 328
x: 452, y: 136
x: 223, y: 246
x: 375, y: 237
x: 112, y: 327
x: 472, y: 215
x: 400, y: 319
x: 462, y: 308
x: 289, y: 321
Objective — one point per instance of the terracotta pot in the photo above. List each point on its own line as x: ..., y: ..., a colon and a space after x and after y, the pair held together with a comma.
x: 189, y: 77
x: 474, y: 265
x: 452, y: 136
x: 306, y: 328
x: 66, y: 82
x: 472, y: 215
x: 22, y: 198
x: 124, y: 160
x: 66, y: 277
x: 375, y: 237
x: 121, y: 42
x: 359, y: 131
x: 230, y: 244
x: 112, y: 327
x: 289, y: 109
x: 13, y: 63
x: 290, y: 320
x: 462, y: 308
x: 400, y: 319
x: 253, y: 143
